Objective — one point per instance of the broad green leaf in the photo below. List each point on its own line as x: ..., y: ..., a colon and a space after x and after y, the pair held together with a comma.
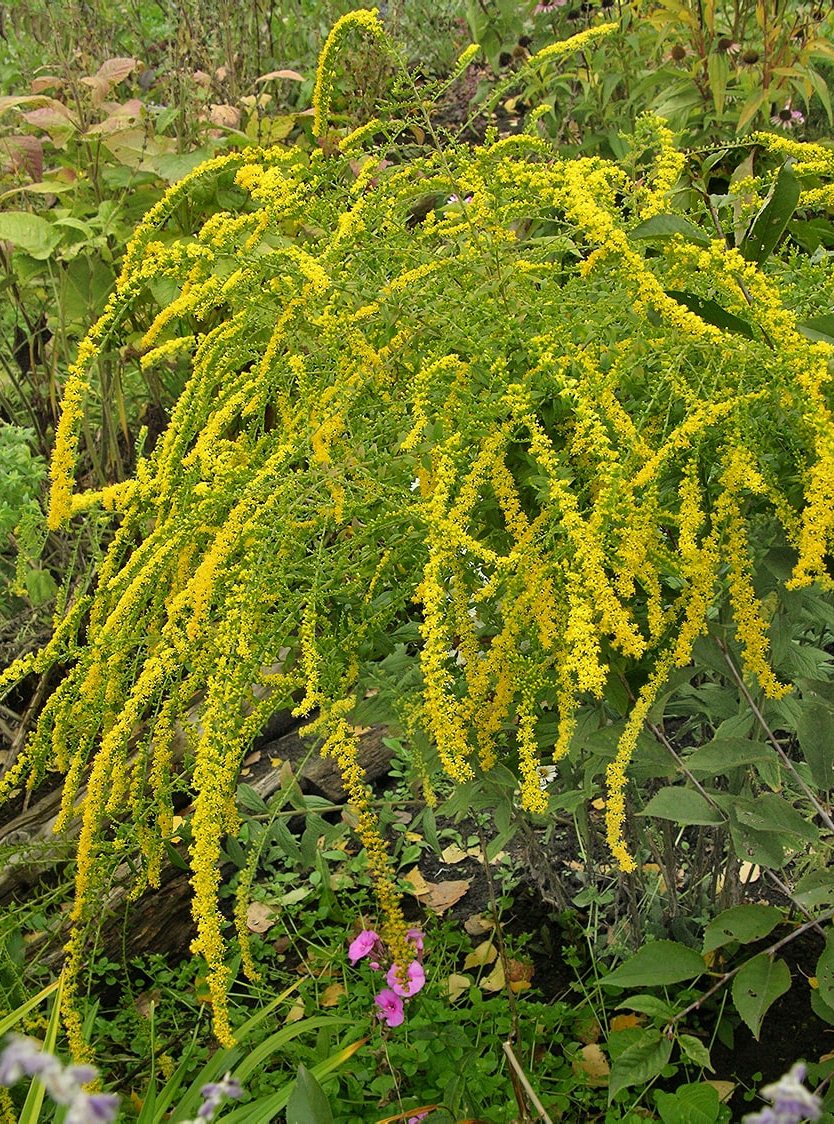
x: 769, y: 812
x: 825, y: 970
x: 691, y: 1104
x: 742, y: 923
x: 712, y: 313
x: 815, y: 889
x: 695, y: 1050
x: 30, y: 233
x: 308, y: 1103
x: 683, y: 806
x: 815, y: 730
x: 821, y: 1008
x: 763, y: 848
x: 648, y: 1005
x: 769, y: 224
x: 723, y: 754
x: 757, y: 987
x: 656, y: 963
x: 640, y: 1063
x: 666, y: 226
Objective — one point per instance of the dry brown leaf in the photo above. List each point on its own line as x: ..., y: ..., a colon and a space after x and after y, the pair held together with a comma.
x: 485, y: 953
x: 438, y: 896
x: 416, y: 881
x: 593, y: 1063
x: 145, y: 1000
x: 252, y: 758
x: 457, y: 985
x: 587, y: 1029
x: 478, y: 924
x: 624, y: 1022
x: 290, y: 75
x: 332, y: 994
x: 453, y: 854
x: 495, y: 980
x: 260, y: 916
x: 519, y: 971
x: 725, y: 1089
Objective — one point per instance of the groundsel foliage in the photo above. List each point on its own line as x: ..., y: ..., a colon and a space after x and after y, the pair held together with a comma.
x: 492, y: 419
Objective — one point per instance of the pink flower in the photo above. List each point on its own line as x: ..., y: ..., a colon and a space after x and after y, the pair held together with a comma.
x: 416, y: 938
x: 390, y: 1007
x: 416, y: 979
x: 417, y: 1118
x: 366, y: 942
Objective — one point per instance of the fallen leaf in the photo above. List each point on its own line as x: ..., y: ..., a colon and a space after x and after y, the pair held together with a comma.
x: 624, y: 1022
x: 519, y: 971
x: 290, y: 75
x: 457, y: 985
x: 724, y: 1089
x: 453, y: 854
x: 295, y: 1012
x: 332, y: 994
x: 413, y: 837
x: 252, y: 758
x: 478, y: 924
x: 495, y: 980
x: 593, y: 1063
x: 519, y: 985
x: 749, y: 872
x: 438, y: 896
x: 485, y: 953
x: 260, y: 916
x: 146, y: 1000
x: 417, y: 882
x: 587, y: 1029
x: 599, y: 803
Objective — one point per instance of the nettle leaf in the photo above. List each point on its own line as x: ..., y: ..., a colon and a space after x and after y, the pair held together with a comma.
x: 695, y: 1050
x: 770, y: 223
x: 742, y: 923
x: 667, y: 226
x: 683, y: 806
x: 640, y: 1063
x: 757, y: 987
x: 815, y: 730
x: 721, y: 755
x: 691, y: 1104
x: 657, y: 963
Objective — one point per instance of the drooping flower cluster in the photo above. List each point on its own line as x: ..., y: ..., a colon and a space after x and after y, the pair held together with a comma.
x: 791, y: 1102
x: 24, y: 1057
x: 402, y: 984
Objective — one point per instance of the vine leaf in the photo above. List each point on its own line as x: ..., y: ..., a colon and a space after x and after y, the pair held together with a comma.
x: 757, y: 987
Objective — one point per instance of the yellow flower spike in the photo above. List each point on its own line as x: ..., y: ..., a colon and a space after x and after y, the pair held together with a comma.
x: 364, y: 20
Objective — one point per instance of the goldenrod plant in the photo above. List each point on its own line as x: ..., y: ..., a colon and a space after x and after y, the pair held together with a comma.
x: 472, y: 390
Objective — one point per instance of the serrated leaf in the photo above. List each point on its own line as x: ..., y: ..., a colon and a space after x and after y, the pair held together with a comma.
x: 667, y: 226
x: 308, y: 1103
x: 640, y: 1063
x: 770, y: 223
x: 656, y: 963
x: 691, y: 1104
x: 723, y: 754
x: 742, y: 923
x: 250, y: 800
x: 712, y: 313
x: 695, y: 1050
x: 682, y: 805
x: 757, y: 987
x: 30, y: 233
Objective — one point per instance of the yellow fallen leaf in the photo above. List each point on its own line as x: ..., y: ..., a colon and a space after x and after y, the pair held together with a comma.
x: 624, y: 1022
x: 485, y: 953
x: 438, y: 896
x: 457, y: 985
x: 725, y: 1089
x: 332, y: 994
x: 749, y: 872
x: 519, y: 985
x: 495, y: 980
x: 593, y: 1064
x: 416, y: 881
x: 599, y: 803
x: 414, y: 837
x: 295, y: 1012
x: 453, y: 854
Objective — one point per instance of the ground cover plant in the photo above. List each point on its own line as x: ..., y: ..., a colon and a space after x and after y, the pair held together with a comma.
x: 526, y: 458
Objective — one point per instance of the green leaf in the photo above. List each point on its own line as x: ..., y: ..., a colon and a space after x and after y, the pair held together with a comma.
x: 691, y: 1104
x: 712, y: 313
x: 751, y: 107
x: 30, y: 233
x: 742, y: 923
x: 721, y: 755
x: 683, y: 806
x: 250, y: 800
x: 656, y: 963
x: 718, y: 69
x: 757, y: 987
x: 695, y: 1050
x: 815, y: 730
x: 667, y: 226
x: 769, y: 812
x: 825, y: 970
x: 815, y: 889
x: 769, y: 224
x: 308, y: 1103
x: 648, y: 1005
x: 640, y: 1063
